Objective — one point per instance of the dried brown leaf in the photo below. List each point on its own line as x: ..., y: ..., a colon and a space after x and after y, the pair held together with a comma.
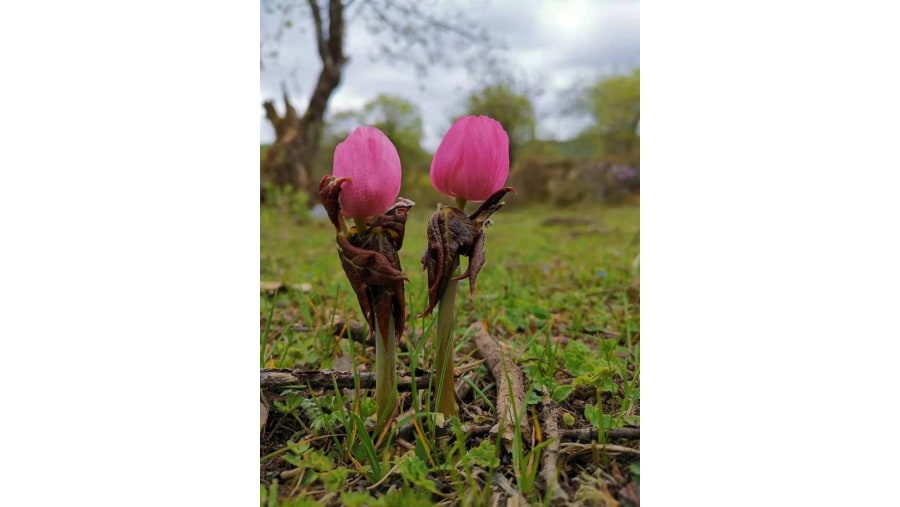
x: 370, y: 258
x: 452, y: 234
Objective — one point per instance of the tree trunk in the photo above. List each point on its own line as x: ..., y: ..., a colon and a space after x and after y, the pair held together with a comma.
x: 289, y: 160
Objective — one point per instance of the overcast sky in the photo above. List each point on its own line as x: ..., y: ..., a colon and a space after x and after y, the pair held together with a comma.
x: 553, y: 45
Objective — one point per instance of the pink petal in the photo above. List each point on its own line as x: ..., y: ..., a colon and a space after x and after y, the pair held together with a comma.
x: 372, y: 163
x: 472, y: 160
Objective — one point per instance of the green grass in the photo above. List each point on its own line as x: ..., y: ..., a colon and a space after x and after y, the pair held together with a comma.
x: 563, y: 296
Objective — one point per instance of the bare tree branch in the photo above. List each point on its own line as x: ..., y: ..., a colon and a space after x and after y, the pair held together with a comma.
x: 414, y: 12
x: 320, y: 36
x: 586, y: 435
x: 414, y: 35
x: 336, y: 32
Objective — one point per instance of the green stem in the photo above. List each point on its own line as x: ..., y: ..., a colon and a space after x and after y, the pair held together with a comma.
x: 385, y: 374
x: 360, y: 225
x: 446, y: 395
x: 444, y: 364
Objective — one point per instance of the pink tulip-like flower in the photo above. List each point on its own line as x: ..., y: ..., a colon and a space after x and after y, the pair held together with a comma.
x: 472, y: 161
x: 371, y: 162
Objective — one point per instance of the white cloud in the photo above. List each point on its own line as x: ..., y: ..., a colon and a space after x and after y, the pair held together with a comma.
x: 555, y: 45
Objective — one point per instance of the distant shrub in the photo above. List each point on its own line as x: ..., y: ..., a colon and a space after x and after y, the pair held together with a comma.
x: 566, y: 181
x: 618, y: 181
x: 284, y: 200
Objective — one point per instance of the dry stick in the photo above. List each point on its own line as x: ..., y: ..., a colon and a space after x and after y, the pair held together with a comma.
x: 290, y: 474
x: 586, y: 435
x: 576, y: 448
x: 325, y: 379
x: 551, y: 452
x: 509, y: 385
x: 582, y: 435
x: 514, y: 497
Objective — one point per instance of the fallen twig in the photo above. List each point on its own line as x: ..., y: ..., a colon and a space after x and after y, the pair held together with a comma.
x: 551, y: 452
x: 514, y: 496
x: 578, y: 448
x: 290, y: 474
x: 325, y: 379
x: 586, y: 435
x: 510, y: 387
x: 406, y: 445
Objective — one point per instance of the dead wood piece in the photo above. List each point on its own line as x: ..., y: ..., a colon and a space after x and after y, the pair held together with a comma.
x: 290, y: 474
x: 550, y: 415
x: 510, y: 386
x: 586, y: 435
x: 515, y: 497
x: 263, y: 415
x: 325, y: 379
x: 406, y: 445
x: 577, y: 448
x: 630, y: 495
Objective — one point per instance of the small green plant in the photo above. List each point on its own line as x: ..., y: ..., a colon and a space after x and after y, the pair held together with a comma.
x: 406, y: 497
x: 365, y: 449
x: 316, y: 465
x: 284, y: 201
x: 356, y: 499
x: 594, y: 414
x: 336, y: 478
x: 264, y: 347
x: 269, y: 496
x: 525, y: 464
x: 486, y: 455
x: 415, y: 473
x: 323, y: 412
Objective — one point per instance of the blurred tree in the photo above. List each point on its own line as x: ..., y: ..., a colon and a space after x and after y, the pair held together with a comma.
x: 397, y: 117
x: 615, y: 104
x: 408, y: 33
x: 513, y: 110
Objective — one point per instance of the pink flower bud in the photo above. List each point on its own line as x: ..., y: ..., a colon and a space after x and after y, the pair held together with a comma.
x: 472, y: 160
x: 371, y: 162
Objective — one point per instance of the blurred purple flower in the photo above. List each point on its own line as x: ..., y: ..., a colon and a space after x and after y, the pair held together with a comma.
x: 623, y: 172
